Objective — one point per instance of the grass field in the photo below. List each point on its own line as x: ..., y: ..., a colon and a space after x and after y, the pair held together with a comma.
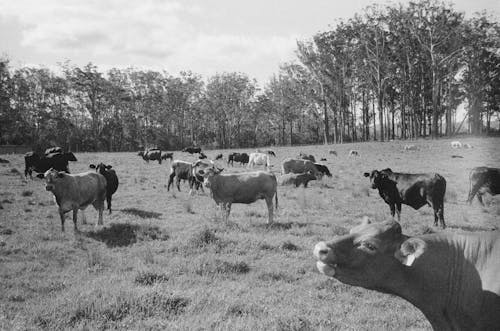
x: 164, y: 260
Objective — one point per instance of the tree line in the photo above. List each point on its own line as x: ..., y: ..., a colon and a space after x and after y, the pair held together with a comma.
x: 391, y: 71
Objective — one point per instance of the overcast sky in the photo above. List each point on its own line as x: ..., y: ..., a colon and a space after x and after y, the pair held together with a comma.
x: 204, y: 36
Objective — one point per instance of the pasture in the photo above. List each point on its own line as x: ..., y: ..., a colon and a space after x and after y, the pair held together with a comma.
x: 166, y: 260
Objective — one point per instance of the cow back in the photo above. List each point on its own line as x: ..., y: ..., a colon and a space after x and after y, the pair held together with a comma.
x: 243, y: 187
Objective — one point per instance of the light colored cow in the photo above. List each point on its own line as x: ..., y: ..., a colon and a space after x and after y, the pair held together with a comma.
x: 78, y: 191
x: 453, y: 278
x: 259, y: 159
x: 467, y: 145
x: 248, y: 187
x: 299, y: 166
x: 410, y: 147
x: 456, y: 144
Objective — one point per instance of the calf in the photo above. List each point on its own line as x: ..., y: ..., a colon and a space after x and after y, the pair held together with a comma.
x: 40, y: 164
x: 332, y: 153
x: 242, y: 158
x: 151, y: 154
x: 306, y: 157
x: 353, y: 153
x: 166, y: 155
x: 483, y: 180
x: 323, y: 169
x: 249, y: 187
x: 297, y: 179
x: 219, y: 157
x: 259, y: 159
x: 180, y: 170
x: 414, y: 190
x: 73, y: 192
x: 111, y: 180
x: 192, y: 150
x: 297, y: 166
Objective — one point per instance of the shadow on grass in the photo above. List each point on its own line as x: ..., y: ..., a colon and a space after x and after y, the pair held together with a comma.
x: 141, y: 213
x: 119, y: 235
x: 472, y: 228
x: 281, y: 225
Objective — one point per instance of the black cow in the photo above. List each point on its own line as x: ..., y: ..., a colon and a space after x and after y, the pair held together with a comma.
x: 304, y: 156
x: 111, y: 180
x: 323, y: 169
x: 414, y: 190
x: 219, y: 157
x: 151, y: 154
x: 192, y: 150
x: 242, y: 158
x: 40, y: 164
x: 270, y: 152
x: 53, y: 150
x: 483, y: 180
x: 202, y: 156
x: 166, y: 155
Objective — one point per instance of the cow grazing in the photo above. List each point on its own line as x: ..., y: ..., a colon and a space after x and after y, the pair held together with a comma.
x: 73, y: 192
x: 304, y: 156
x: 456, y: 144
x: 111, y: 180
x: 202, y: 156
x: 151, y: 154
x: 259, y: 159
x: 242, y: 158
x: 353, y: 153
x: 192, y: 150
x: 410, y: 147
x: 323, y: 169
x: 453, y: 278
x: 219, y: 157
x: 332, y: 153
x: 296, y: 166
x: 483, y: 180
x: 414, y: 190
x: 53, y: 150
x: 297, y: 179
x: 248, y: 187
x: 40, y: 164
x: 167, y: 155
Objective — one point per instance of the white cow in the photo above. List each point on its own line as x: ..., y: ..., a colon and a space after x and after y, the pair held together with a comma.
x: 259, y: 159
x: 456, y: 144
x: 410, y: 148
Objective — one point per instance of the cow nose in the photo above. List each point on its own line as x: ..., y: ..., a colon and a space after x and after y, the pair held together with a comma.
x: 321, y: 250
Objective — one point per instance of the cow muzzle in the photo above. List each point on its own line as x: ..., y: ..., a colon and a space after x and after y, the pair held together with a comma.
x: 321, y: 252
x: 49, y: 187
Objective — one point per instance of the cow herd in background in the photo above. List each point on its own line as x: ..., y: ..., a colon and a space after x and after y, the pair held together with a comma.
x: 452, y: 278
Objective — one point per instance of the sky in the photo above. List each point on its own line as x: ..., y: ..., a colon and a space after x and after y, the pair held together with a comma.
x: 204, y: 36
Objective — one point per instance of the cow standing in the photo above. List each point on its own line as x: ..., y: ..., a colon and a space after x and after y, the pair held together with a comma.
x: 259, y: 159
x: 167, y: 155
x: 453, y: 278
x: 40, y: 164
x: 73, y: 192
x: 297, y: 179
x: 323, y: 169
x: 242, y: 158
x: 298, y: 166
x: 483, y: 180
x: 192, y: 150
x: 151, y: 154
x: 247, y: 188
x: 414, y: 190
x: 309, y: 157
x: 111, y: 180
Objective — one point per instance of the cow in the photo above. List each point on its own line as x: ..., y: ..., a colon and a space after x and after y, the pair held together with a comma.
x: 453, y: 278
x: 53, y: 150
x: 410, y: 148
x: 202, y: 156
x: 304, y: 156
x: 73, y: 192
x: 456, y: 144
x: 258, y: 159
x: 219, y: 157
x: 332, y: 153
x: 467, y: 146
x: 323, y: 169
x: 271, y: 153
x: 242, y: 158
x: 151, y: 154
x: 297, y: 166
x: 353, y: 152
x: 111, y: 180
x: 40, y: 164
x: 182, y: 170
x: 483, y: 180
x: 197, y: 174
x: 248, y: 187
x: 323, y: 159
x: 297, y: 179
x: 414, y: 190
x: 167, y: 155
x: 192, y: 150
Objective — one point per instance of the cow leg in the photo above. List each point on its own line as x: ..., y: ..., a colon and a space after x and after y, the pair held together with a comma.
x: 108, y: 199
x: 99, y: 206
x: 269, y: 203
x: 393, y: 209
x: 61, y: 215
x: 398, y: 211
x: 480, y: 198
x: 178, y: 183
x: 228, y: 210
x: 473, y: 191
x: 84, y: 217
x: 170, y: 180
x: 75, y: 217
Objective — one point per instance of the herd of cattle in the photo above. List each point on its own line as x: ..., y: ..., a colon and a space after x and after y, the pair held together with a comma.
x: 454, y: 279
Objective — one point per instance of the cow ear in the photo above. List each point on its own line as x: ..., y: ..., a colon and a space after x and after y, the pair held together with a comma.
x: 92, y: 166
x: 410, y: 250
x: 366, y: 174
x: 41, y: 176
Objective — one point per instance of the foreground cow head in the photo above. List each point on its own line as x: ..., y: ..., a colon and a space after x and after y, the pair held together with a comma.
x: 378, y: 177
x: 369, y: 254
x: 208, y: 173
x: 51, y: 176
x: 100, y: 168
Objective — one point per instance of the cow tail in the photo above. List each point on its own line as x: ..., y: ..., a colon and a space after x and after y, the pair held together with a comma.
x: 276, y: 198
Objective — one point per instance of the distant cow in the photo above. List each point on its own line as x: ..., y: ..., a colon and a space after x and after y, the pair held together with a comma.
x: 414, y: 190
x: 73, y: 192
x: 353, y: 153
x: 297, y: 166
x: 270, y: 152
x: 456, y: 144
x: 297, y: 179
x: 166, y: 155
x: 40, y: 164
x: 304, y: 156
x: 192, y: 150
x: 219, y: 157
x: 53, y: 150
x: 483, y: 180
x: 242, y: 158
x: 332, y: 153
x: 323, y: 169
x: 248, y: 187
x: 467, y: 146
x: 151, y: 154
x: 202, y: 156
x: 410, y: 147
x: 111, y: 180
x: 323, y: 159
x: 259, y: 159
